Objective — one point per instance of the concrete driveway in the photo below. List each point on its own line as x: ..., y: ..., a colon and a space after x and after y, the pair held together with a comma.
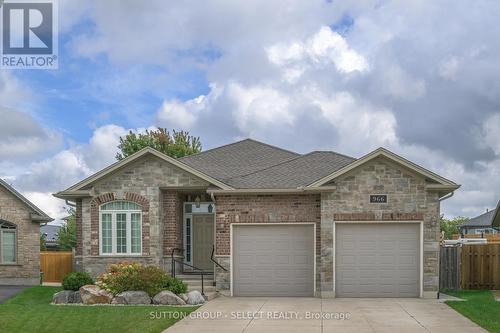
x: 263, y: 315
x: 7, y: 292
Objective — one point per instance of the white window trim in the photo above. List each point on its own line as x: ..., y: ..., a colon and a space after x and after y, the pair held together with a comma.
x: 113, y: 213
x: 11, y: 230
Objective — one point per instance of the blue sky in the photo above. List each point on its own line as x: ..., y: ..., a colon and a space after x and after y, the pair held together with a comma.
x: 420, y: 79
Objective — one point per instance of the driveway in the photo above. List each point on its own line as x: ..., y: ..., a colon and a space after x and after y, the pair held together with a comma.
x: 7, y: 292
x: 263, y: 315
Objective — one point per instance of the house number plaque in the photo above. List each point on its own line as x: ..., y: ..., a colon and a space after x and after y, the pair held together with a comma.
x: 378, y: 198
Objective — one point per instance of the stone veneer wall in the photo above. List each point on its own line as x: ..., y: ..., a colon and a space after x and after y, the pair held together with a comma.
x: 408, y: 200
x: 283, y: 208
x: 27, y: 269
x: 140, y: 181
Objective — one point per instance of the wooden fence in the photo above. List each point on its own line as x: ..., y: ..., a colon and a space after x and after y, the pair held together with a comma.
x: 55, y: 265
x: 480, y: 266
x: 490, y: 238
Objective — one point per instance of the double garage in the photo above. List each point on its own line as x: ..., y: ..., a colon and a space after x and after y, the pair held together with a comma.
x: 371, y: 259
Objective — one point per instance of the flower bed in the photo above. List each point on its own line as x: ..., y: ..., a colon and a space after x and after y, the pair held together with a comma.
x: 127, y: 283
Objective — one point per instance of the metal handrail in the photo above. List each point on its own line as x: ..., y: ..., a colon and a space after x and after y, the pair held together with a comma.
x: 214, y: 261
x: 201, y: 271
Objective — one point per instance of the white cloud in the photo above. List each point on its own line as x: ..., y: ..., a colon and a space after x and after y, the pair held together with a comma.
x: 321, y: 50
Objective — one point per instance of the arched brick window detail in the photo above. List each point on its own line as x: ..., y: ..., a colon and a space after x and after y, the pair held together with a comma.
x: 108, y: 197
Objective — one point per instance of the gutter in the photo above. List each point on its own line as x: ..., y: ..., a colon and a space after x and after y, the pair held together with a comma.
x: 449, y: 195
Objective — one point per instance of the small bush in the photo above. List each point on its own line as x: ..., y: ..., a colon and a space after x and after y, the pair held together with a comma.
x: 75, y: 280
x: 134, y: 276
x: 175, y: 285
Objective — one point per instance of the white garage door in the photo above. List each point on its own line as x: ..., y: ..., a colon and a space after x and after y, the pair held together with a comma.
x: 273, y: 260
x: 377, y: 260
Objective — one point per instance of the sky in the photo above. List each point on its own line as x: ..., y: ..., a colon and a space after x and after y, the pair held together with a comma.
x: 420, y: 78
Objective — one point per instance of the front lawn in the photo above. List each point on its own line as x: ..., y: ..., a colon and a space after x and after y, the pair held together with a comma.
x: 31, y: 311
x: 480, y: 307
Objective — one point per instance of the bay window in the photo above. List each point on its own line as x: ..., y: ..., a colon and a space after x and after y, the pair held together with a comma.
x: 120, y: 226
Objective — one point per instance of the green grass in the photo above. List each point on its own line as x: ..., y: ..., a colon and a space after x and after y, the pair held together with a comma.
x: 31, y: 311
x: 480, y: 307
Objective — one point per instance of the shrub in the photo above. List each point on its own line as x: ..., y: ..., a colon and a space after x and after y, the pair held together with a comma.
x: 175, y: 285
x: 134, y: 276
x: 75, y: 280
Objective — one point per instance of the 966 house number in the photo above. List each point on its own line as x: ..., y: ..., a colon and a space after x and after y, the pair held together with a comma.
x: 378, y: 198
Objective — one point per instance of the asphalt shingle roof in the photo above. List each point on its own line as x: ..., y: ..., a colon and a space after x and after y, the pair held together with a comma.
x: 250, y: 164
x: 300, y: 171
x: 484, y: 220
x: 236, y: 159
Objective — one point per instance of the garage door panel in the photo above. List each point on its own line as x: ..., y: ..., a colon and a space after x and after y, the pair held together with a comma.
x: 273, y: 260
x: 377, y: 260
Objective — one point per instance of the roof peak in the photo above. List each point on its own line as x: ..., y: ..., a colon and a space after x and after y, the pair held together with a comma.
x: 239, y: 142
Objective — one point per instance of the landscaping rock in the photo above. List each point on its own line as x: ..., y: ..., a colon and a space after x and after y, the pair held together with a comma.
x: 77, y: 299
x: 135, y: 297
x: 195, y: 297
x: 117, y: 300
x: 184, y: 297
x: 92, y: 294
x: 63, y: 297
x: 168, y: 298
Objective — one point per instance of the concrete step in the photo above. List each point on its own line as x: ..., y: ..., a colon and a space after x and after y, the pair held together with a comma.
x: 211, y: 295
x: 198, y: 287
x: 189, y: 277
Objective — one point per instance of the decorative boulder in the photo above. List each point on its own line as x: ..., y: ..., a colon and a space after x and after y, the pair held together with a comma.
x: 119, y: 300
x: 63, y: 297
x: 92, y: 294
x: 195, y: 297
x: 134, y: 297
x: 168, y: 298
x: 77, y: 298
x: 184, y: 297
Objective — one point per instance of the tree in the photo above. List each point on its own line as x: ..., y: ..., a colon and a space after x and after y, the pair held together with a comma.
x: 450, y: 227
x: 43, y: 242
x: 66, y: 235
x: 177, y: 145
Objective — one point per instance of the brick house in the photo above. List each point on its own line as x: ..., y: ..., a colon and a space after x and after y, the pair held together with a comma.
x: 278, y: 223
x: 19, y: 238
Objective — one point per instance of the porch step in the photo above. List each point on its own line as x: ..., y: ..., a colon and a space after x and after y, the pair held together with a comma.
x: 211, y: 295
x: 206, y: 288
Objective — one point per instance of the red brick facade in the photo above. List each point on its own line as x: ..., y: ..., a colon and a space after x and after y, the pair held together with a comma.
x: 287, y: 208
x: 94, y: 219
x: 172, y: 217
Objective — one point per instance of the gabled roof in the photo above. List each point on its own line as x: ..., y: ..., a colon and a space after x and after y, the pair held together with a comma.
x: 441, y: 183
x: 38, y: 215
x: 78, y: 189
x: 294, y: 173
x: 488, y: 219
x: 237, y: 159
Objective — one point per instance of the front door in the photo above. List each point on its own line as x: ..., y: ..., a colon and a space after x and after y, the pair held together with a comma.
x: 203, y: 241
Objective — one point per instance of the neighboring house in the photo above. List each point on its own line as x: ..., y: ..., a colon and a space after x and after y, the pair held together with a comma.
x: 487, y: 223
x: 282, y: 224
x: 19, y: 238
x: 51, y: 239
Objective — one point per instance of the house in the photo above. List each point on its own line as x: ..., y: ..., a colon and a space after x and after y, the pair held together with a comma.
x: 277, y: 222
x: 487, y: 223
x: 51, y: 239
x: 19, y: 238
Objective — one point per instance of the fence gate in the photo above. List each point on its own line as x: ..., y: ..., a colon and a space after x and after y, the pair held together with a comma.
x: 449, y: 267
x: 55, y: 265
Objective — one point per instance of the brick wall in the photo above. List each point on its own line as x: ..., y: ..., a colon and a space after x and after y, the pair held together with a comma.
x: 172, y: 215
x: 290, y: 208
x: 27, y: 269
